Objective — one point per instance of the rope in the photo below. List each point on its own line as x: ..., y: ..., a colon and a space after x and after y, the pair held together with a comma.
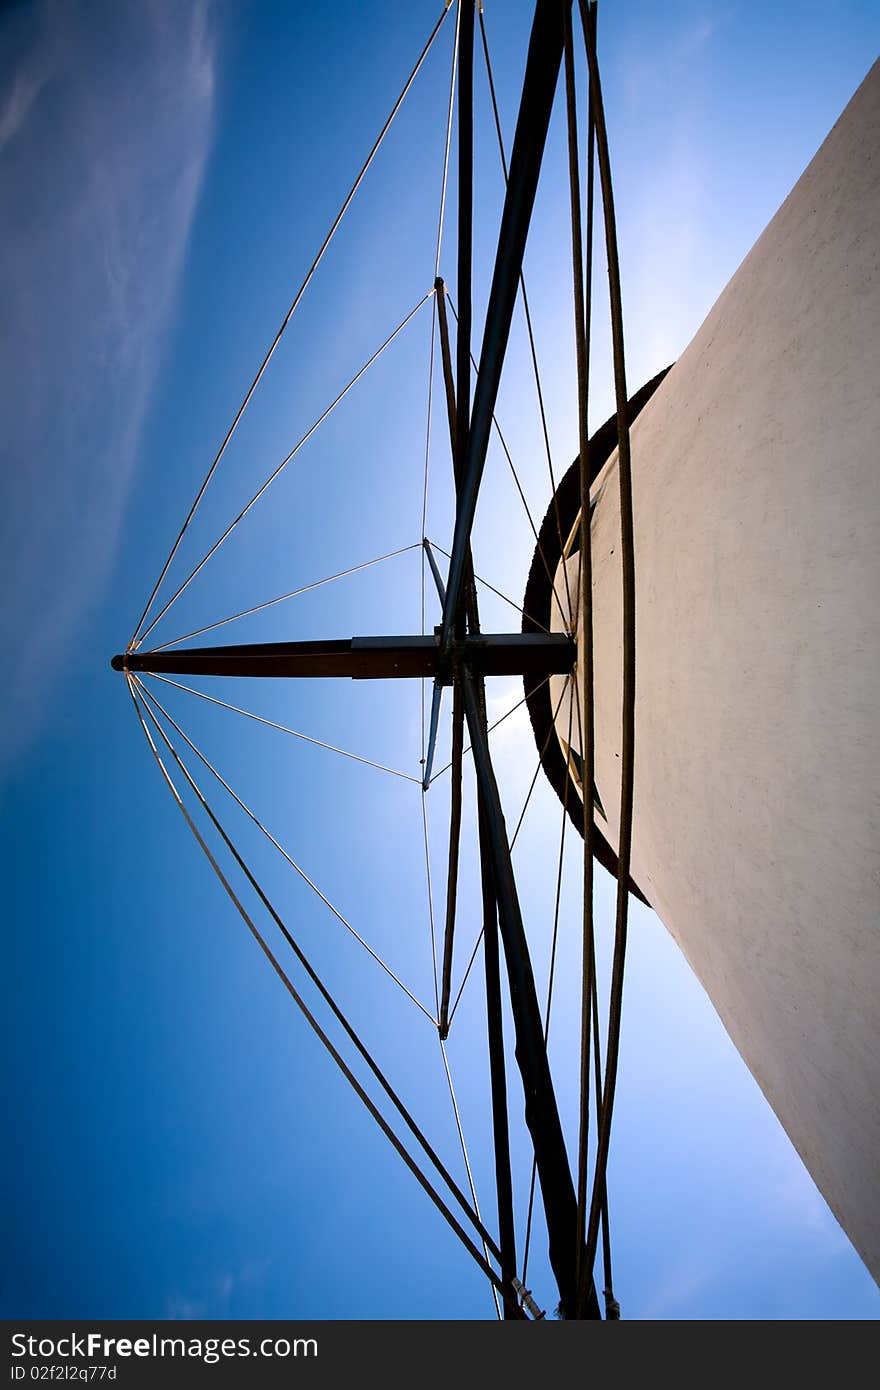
x: 629, y: 655
x: 282, y: 598
x: 282, y: 851
x: 612, y: 1307
x: 585, y: 577
x: 312, y: 1021
x: 288, y: 316
x: 283, y: 729
x: 550, y: 979
x: 282, y: 465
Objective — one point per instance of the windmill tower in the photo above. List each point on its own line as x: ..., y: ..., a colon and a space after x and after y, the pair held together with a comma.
x: 756, y: 494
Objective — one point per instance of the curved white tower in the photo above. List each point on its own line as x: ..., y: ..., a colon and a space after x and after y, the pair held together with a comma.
x: 756, y: 483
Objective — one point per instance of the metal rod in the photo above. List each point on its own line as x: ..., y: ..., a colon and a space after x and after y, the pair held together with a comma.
x: 539, y: 86
x: 470, y: 590
x: 454, y: 842
x: 446, y: 357
x: 432, y: 735
x: 541, y: 1112
x: 435, y: 569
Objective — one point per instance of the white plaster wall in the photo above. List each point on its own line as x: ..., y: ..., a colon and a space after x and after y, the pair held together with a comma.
x: 757, y: 520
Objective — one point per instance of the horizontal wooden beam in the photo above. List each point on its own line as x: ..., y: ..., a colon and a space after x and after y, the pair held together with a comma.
x: 527, y: 654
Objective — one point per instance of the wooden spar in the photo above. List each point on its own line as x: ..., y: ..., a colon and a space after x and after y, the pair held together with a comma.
x: 531, y: 655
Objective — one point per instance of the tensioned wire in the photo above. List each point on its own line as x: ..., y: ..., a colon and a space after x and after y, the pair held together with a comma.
x: 513, y: 839
x: 346, y: 1070
x: 467, y: 1163
x: 283, y: 852
x: 424, y: 513
x: 513, y: 709
x: 282, y: 598
x: 491, y: 587
x: 282, y: 465
x: 519, y: 487
x: 286, y: 320
x: 442, y: 211
x: 540, y: 763
x: 424, y: 807
x: 283, y: 728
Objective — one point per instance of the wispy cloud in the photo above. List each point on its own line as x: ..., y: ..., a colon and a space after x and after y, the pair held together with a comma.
x: 105, y: 125
x: 225, y: 1294
x: 26, y: 87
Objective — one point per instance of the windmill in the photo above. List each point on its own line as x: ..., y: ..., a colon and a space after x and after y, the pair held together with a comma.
x: 553, y: 648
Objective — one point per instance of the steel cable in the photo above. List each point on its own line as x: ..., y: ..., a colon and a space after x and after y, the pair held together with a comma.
x: 288, y: 316
x: 343, y: 1066
x: 280, y: 468
x: 283, y: 852
x: 282, y: 598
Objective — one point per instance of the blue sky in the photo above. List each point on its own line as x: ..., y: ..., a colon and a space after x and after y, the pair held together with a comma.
x: 179, y: 1145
